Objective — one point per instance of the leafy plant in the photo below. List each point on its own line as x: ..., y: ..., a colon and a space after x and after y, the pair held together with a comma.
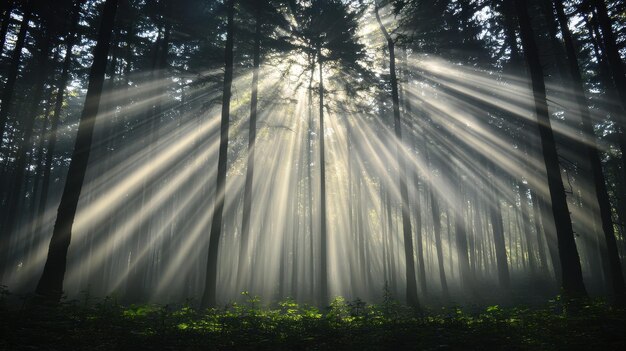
x: 106, y: 324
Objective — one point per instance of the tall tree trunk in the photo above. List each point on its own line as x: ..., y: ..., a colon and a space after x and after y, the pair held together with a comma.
x: 572, y: 280
x: 526, y: 226
x: 353, y: 235
x: 516, y: 68
x: 210, y: 284
x: 611, y: 105
x: 612, y: 53
x: 434, y: 204
x: 310, y: 178
x: 497, y: 226
x: 408, y: 108
x: 56, y: 117
x: 244, y: 261
x: 50, y: 284
x: 418, y: 235
x: 460, y: 230
x: 39, y: 165
x: 21, y: 158
x: 593, y: 153
x: 138, y: 267
x: 323, y: 244
x: 411, y: 283
x: 19, y: 175
x: 538, y: 232
x: 391, y: 240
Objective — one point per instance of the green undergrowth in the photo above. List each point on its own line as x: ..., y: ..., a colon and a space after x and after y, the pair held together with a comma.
x: 107, y: 325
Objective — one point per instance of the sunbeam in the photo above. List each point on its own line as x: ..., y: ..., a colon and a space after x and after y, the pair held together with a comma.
x: 438, y: 153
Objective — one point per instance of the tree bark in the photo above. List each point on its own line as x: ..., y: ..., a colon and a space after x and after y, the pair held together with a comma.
x: 572, y: 281
x: 612, y: 52
x: 21, y: 159
x: 460, y: 230
x: 497, y: 226
x: 244, y: 261
x: 56, y: 117
x: 323, y: 294
x: 210, y: 285
x: 50, y: 285
x: 437, y: 228
x: 593, y: 153
x: 411, y: 283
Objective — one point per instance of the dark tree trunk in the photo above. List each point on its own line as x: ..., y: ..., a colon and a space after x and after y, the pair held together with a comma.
x: 572, y: 281
x: 323, y: 295
x: 460, y: 230
x: 497, y: 226
x: 611, y: 105
x: 309, y: 176
x: 612, y: 52
x: 434, y: 204
x: 526, y: 226
x: 411, y: 283
x: 353, y: 202
x: 210, y: 284
x: 21, y: 159
x: 538, y: 231
x: 56, y: 117
x: 138, y: 267
x: 549, y: 230
x: 416, y: 180
x: 50, y: 285
x: 593, y: 153
x: 418, y: 236
x: 614, y: 68
x: 517, y: 69
x: 39, y: 166
x: 244, y: 261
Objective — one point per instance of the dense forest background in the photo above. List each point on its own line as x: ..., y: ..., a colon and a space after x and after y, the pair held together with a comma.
x: 435, y: 151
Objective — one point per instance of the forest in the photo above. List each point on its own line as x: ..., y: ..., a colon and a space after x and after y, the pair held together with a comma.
x: 312, y: 174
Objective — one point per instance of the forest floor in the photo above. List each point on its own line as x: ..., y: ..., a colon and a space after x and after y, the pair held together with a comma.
x: 107, y: 325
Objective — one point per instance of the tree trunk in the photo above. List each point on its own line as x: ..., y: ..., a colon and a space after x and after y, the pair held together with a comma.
x: 526, y: 226
x: 572, y: 281
x: 21, y: 158
x: 495, y: 214
x: 39, y: 165
x: 416, y: 180
x: 138, y: 266
x: 310, y: 179
x: 50, y: 285
x: 56, y: 117
x: 437, y: 228
x: 244, y: 261
x: 611, y: 105
x: 418, y: 236
x: 210, y: 284
x: 612, y: 53
x: 460, y: 230
x: 411, y: 283
x: 542, y: 263
x: 323, y: 245
x: 593, y: 153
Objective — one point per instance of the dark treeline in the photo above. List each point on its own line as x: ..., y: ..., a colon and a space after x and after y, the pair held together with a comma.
x: 438, y: 151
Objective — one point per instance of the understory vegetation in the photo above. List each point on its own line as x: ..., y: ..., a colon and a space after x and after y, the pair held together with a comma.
x: 105, y: 324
